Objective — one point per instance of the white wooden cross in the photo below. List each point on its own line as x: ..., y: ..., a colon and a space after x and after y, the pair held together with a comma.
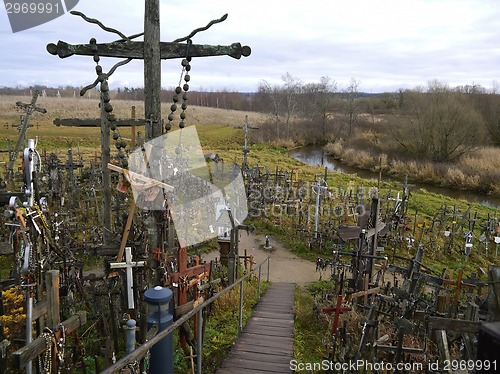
x: 128, y: 264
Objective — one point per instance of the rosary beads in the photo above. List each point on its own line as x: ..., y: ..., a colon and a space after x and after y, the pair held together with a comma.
x: 186, y: 67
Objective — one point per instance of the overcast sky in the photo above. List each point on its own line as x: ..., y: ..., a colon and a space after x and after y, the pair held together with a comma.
x: 384, y: 44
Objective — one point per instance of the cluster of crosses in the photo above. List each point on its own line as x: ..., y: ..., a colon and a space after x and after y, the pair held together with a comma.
x: 151, y: 50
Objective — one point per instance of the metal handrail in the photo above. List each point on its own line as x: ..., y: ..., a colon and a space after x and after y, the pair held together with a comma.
x: 141, y: 350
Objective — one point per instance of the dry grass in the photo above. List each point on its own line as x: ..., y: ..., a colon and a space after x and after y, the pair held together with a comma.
x: 65, y: 107
x: 479, y: 171
x: 483, y: 160
x: 87, y: 140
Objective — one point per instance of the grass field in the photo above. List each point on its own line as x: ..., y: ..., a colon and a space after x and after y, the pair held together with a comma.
x: 220, y: 132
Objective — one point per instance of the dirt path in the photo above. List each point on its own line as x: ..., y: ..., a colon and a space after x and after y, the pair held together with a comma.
x: 284, y: 265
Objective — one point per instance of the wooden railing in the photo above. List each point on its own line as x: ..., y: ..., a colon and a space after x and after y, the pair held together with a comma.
x: 141, y: 350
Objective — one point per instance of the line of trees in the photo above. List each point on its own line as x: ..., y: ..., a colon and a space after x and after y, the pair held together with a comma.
x: 437, y: 123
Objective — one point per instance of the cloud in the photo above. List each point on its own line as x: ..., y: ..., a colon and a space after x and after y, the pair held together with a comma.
x: 383, y: 44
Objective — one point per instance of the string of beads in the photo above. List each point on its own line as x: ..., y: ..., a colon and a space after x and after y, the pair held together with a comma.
x: 120, y: 144
x: 186, y: 68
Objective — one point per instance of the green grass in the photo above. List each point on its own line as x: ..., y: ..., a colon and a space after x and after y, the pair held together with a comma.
x: 309, y: 332
x: 227, y: 141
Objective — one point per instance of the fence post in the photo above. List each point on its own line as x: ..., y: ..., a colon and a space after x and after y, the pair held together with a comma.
x: 240, y: 322
x: 199, y: 350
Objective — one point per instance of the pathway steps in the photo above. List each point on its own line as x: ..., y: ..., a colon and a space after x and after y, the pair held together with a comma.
x: 266, y: 342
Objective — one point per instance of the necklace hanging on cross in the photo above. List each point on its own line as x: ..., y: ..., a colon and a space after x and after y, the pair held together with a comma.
x: 186, y: 68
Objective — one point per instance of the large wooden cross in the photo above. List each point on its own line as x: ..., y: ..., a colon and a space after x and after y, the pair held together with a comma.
x: 152, y: 51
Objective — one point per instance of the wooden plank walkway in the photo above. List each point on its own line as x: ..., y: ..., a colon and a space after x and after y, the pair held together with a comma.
x: 266, y: 342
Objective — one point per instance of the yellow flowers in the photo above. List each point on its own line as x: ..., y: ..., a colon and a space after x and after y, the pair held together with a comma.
x: 13, y: 317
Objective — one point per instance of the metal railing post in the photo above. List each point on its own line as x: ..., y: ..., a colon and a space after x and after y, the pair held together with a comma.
x: 240, y: 322
x: 142, y: 349
x: 131, y: 323
x: 268, y: 260
x: 258, y: 285
x: 199, y: 349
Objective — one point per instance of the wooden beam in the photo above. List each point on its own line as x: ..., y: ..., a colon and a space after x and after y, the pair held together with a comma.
x: 138, y: 50
x: 39, y: 309
x: 450, y: 324
x: 442, y: 343
x: 38, y: 346
x: 365, y: 293
x: 132, y: 176
x: 126, y: 231
x: 96, y: 122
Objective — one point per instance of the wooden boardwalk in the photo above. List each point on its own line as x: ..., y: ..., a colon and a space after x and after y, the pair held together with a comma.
x: 266, y: 342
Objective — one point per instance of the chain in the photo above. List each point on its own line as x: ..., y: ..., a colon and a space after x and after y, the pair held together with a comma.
x: 41, y: 216
x: 61, y: 348
x: 46, y: 363
x: 53, y: 345
x: 120, y: 144
x: 133, y: 367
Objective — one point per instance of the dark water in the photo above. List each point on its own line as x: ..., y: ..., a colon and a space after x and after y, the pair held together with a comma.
x: 313, y: 155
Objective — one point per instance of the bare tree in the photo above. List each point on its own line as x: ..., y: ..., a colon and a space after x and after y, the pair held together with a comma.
x: 439, y: 124
x: 319, y: 97
x: 282, y: 101
x: 350, y: 98
x: 271, y: 97
x: 291, y: 88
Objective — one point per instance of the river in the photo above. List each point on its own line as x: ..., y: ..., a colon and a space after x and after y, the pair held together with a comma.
x: 313, y: 155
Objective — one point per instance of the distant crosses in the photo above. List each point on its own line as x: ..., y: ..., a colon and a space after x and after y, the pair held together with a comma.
x: 319, y: 189
x: 245, y: 148
x: 29, y: 110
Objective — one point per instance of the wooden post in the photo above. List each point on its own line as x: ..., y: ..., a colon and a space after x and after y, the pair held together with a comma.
x: 152, y: 69
x: 126, y: 231
x: 133, y: 133
x: 442, y: 343
x: 53, y: 309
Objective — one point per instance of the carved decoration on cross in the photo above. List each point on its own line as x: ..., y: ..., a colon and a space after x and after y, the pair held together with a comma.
x: 129, y: 49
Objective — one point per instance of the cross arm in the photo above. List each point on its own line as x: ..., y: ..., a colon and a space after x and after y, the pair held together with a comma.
x: 38, y: 346
x: 135, y: 50
x: 31, y: 106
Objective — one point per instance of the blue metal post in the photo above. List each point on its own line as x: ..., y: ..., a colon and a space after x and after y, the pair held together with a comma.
x: 162, y: 353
